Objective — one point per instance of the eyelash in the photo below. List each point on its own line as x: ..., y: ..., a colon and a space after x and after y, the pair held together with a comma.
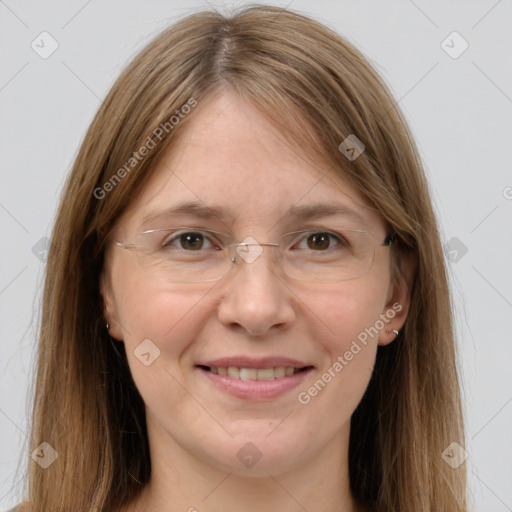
x: 167, y: 242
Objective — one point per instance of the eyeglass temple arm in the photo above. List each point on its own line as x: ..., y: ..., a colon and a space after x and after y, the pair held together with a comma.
x: 130, y: 247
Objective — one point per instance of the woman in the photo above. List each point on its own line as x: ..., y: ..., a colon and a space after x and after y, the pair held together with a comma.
x: 246, y: 304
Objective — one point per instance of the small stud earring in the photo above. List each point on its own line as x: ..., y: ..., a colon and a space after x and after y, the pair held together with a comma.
x: 107, y: 326
x: 394, y: 330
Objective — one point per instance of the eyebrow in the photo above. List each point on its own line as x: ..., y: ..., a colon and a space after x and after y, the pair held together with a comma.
x: 300, y: 213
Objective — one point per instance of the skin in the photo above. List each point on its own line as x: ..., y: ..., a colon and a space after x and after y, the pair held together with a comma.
x: 229, y: 155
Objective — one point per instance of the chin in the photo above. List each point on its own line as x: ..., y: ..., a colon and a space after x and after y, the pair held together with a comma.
x: 257, y: 456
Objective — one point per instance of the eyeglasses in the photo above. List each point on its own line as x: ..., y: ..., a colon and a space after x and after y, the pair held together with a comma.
x: 191, y: 255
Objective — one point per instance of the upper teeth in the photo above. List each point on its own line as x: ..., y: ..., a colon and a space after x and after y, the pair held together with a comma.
x: 254, y: 373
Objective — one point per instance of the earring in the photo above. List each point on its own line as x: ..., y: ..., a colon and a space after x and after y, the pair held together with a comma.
x: 394, y: 330
x: 107, y: 326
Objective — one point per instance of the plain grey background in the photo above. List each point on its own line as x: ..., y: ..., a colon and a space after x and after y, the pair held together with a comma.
x: 458, y: 101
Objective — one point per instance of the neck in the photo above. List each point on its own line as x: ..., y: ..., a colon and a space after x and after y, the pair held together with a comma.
x: 181, y: 482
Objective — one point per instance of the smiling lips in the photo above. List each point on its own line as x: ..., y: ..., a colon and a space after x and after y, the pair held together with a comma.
x: 253, y: 379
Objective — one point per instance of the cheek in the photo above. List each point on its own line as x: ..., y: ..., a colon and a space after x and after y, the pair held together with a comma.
x: 349, y: 346
x: 350, y: 319
x: 147, y: 307
x: 157, y: 317
x: 160, y: 325
x: 352, y: 311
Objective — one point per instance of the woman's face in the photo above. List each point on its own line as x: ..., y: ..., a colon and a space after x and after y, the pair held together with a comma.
x: 177, y: 335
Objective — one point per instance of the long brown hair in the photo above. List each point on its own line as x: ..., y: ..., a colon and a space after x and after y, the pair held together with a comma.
x: 318, y: 89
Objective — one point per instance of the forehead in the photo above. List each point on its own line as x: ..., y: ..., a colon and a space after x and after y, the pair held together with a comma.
x: 229, y: 159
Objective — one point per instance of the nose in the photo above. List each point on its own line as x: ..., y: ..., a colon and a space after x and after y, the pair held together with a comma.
x: 256, y: 298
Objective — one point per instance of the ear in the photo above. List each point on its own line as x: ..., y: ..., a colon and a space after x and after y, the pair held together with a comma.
x: 109, y: 308
x: 398, y: 302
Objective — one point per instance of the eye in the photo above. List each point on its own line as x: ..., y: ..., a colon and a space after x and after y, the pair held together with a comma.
x: 321, y: 241
x: 188, y: 241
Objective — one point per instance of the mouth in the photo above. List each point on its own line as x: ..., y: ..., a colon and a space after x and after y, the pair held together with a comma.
x: 259, y: 374
x: 254, y: 380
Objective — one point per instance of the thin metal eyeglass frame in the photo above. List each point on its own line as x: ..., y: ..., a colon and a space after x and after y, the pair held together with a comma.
x: 390, y: 238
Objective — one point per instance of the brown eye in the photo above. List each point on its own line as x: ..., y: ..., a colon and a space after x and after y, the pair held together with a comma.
x: 318, y: 241
x: 192, y: 241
